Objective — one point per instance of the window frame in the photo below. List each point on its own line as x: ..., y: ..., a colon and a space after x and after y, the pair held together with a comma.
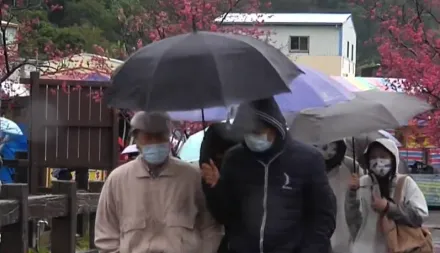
x: 352, y: 52
x: 299, y: 44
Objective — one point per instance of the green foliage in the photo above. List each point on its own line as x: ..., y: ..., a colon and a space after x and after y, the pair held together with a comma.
x: 90, y: 14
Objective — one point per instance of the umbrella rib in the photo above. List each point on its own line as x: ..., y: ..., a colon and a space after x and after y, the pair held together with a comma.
x: 151, y: 87
x: 212, y: 55
x: 250, y: 45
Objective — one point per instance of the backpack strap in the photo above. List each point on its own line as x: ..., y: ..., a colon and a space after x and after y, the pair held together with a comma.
x: 398, y: 192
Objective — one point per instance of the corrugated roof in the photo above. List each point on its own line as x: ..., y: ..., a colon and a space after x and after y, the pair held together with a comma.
x: 286, y: 18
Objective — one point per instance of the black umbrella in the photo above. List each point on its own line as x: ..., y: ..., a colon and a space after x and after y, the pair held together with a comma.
x: 199, y: 70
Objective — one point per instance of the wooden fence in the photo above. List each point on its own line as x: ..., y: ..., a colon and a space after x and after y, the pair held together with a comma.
x: 69, y: 127
x: 62, y: 206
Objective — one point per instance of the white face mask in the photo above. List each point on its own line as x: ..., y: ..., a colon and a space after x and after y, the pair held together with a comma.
x: 328, y: 151
x: 380, y: 166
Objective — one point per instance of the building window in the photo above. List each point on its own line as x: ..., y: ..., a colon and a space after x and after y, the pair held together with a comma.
x: 352, y: 53
x: 299, y: 44
x: 348, y: 50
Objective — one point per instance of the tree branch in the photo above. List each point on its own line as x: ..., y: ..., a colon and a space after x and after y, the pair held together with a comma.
x: 229, y: 11
x: 5, y: 48
x: 11, y: 71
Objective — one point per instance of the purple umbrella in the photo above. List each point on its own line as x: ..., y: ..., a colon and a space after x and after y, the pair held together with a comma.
x: 210, y: 114
x: 311, y: 89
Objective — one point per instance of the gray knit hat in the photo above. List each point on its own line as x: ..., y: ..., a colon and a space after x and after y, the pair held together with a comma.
x: 151, y: 122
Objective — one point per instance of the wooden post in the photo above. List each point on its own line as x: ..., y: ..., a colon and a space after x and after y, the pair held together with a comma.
x: 64, y: 228
x: 22, y: 171
x: 15, y: 236
x: 115, y: 142
x: 34, y: 170
x: 94, y: 186
x: 82, y: 178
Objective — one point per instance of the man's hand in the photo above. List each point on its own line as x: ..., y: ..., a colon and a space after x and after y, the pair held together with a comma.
x: 210, y: 173
x: 378, y: 203
x: 354, y: 183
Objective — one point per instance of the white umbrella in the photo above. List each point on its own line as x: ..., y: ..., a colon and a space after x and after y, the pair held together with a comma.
x: 8, y: 126
x: 369, y: 111
x: 190, y: 151
x: 391, y: 137
x: 130, y: 149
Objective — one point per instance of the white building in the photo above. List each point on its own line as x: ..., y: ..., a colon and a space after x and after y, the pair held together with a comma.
x: 324, y: 41
x: 11, y: 31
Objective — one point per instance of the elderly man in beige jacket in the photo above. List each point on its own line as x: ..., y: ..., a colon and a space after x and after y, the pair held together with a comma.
x: 154, y: 204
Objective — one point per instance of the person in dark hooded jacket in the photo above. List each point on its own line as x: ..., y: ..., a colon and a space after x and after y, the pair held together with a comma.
x: 272, y: 194
x: 217, y: 139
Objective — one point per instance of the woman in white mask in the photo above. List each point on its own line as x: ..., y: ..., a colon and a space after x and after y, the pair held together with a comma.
x: 371, y: 196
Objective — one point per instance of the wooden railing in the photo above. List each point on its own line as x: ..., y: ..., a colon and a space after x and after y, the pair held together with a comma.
x: 62, y: 206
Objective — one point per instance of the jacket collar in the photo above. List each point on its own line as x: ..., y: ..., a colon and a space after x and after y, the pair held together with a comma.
x: 143, y: 171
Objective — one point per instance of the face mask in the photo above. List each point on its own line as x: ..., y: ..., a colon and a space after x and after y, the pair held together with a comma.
x: 257, y: 143
x: 328, y: 151
x: 156, y: 153
x: 380, y: 166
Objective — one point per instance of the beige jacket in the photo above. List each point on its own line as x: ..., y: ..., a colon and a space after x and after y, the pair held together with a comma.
x: 141, y: 214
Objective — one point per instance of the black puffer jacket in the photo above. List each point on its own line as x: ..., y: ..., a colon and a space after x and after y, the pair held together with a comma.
x: 218, y: 138
x: 278, y: 201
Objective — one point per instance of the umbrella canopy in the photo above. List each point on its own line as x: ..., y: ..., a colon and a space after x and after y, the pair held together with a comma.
x: 369, y: 111
x: 210, y: 114
x: 8, y: 126
x: 200, y: 70
x: 190, y: 151
x: 390, y: 136
x: 311, y: 89
x: 131, y: 149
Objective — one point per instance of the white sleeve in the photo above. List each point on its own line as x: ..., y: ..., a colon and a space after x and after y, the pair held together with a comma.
x: 415, y: 198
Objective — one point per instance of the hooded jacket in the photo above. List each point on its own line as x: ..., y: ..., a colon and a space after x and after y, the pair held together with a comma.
x: 339, y: 178
x: 217, y: 139
x: 339, y: 170
x: 277, y: 201
x: 362, y: 219
x: 361, y: 143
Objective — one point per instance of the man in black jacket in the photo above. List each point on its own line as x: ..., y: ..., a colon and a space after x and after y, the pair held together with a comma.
x: 217, y: 139
x: 273, y: 195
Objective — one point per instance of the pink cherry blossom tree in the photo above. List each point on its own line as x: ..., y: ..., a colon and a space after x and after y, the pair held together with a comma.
x: 408, y: 43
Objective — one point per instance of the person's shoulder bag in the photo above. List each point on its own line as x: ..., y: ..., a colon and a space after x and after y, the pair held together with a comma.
x: 401, y: 238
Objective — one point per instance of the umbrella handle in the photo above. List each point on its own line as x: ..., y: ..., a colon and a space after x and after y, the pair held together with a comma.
x: 203, y: 120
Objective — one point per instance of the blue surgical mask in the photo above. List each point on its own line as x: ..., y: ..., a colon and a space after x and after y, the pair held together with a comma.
x: 156, y: 153
x: 257, y: 142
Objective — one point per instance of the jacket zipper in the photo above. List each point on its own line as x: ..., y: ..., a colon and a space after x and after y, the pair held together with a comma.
x: 266, y: 182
